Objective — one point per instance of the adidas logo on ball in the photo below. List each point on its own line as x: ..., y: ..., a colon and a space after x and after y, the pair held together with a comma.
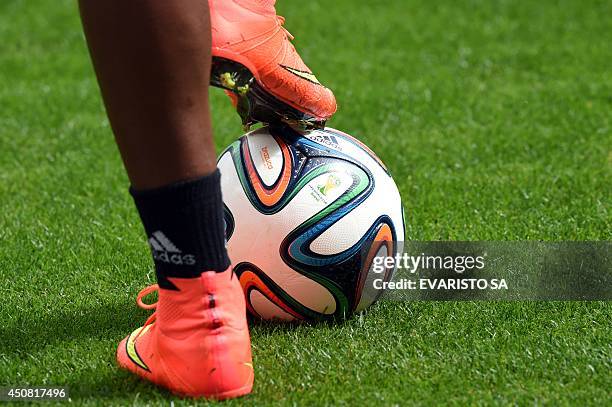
x: 165, y: 251
x: 327, y: 140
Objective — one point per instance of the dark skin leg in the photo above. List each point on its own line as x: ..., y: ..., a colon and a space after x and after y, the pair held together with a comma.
x: 152, y: 59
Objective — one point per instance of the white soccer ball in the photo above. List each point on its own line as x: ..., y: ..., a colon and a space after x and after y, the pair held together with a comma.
x: 305, y: 214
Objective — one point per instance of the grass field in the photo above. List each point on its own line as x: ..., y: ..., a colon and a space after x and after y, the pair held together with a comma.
x: 495, y: 119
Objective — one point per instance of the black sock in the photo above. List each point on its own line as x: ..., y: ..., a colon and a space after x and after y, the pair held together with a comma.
x: 185, y: 228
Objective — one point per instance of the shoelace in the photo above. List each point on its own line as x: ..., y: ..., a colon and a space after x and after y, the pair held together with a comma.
x: 143, y: 293
x: 281, y: 20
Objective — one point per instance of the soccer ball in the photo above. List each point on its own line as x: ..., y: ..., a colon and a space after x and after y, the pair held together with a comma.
x: 305, y: 214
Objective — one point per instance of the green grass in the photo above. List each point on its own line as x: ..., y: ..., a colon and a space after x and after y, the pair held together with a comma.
x: 494, y: 118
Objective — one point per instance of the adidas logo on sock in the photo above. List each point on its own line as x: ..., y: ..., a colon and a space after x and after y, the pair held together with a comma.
x: 165, y: 251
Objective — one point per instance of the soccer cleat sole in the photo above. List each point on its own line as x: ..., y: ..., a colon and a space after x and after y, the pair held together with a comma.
x: 253, y: 103
x: 145, y: 375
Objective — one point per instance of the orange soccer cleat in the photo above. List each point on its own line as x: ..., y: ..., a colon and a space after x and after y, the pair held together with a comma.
x: 197, y: 342
x: 255, y: 62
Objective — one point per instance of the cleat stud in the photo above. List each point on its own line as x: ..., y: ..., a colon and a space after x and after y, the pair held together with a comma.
x: 227, y: 80
x: 242, y: 90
